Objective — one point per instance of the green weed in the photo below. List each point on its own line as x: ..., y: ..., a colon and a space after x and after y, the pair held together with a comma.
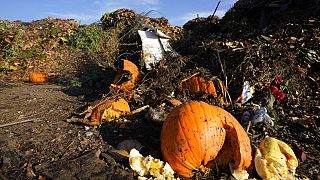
x: 13, y: 49
x: 90, y: 38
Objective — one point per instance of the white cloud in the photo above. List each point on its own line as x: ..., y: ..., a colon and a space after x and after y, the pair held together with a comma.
x: 103, y: 6
x: 150, y: 2
x: 109, y: 6
x: 180, y: 20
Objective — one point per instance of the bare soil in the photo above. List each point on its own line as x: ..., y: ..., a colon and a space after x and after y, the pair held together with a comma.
x: 48, y: 146
x: 51, y: 146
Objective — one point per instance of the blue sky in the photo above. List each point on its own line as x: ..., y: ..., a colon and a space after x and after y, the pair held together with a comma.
x: 88, y: 11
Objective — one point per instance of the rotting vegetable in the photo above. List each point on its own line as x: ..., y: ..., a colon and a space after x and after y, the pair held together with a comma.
x: 274, y: 159
x: 197, y: 84
x: 107, y: 111
x: 131, y: 82
x: 38, y: 77
x: 194, y: 133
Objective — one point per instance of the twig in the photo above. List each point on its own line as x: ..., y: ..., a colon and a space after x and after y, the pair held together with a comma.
x: 223, y: 66
x: 20, y: 122
x: 216, y: 8
x: 103, y: 100
x: 187, y: 78
x: 248, y: 127
x: 216, y: 165
x: 138, y: 21
x: 66, y: 150
x: 139, y: 109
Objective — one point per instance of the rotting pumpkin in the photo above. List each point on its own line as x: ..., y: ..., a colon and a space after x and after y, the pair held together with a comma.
x: 38, y: 77
x: 131, y: 83
x: 197, y: 84
x: 193, y: 134
x: 107, y: 111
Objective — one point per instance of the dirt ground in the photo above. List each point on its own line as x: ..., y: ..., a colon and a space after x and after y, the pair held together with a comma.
x: 48, y: 146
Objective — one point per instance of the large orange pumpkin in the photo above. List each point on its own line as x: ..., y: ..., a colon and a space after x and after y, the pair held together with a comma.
x: 193, y: 134
x: 38, y: 77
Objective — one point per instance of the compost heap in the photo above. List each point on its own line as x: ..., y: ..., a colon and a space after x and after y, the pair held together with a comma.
x: 266, y: 51
x: 279, y: 48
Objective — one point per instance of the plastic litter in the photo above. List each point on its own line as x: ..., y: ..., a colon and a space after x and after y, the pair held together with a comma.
x: 155, y: 45
x: 247, y: 93
x: 258, y: 114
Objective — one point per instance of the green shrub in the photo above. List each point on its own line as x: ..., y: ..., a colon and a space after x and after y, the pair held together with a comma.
x: 90, y: 38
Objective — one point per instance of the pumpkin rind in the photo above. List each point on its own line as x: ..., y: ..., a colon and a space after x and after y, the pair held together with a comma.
x: 38, y: 77
x: 191, y: 136
x: 107, y: 111
x: 132, y: 82
x: 274, y: 159
x: 237, y: 147
x: 110, y: 110
x: 198, y: 84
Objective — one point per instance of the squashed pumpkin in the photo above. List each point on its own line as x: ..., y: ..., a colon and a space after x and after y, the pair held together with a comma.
x: 107, y: 111
x: 149, y: 166
x: 193, y: 134
x: 38, y: 77
x: 197, y: 84
x: 131, y: 82
x: 274, y: 159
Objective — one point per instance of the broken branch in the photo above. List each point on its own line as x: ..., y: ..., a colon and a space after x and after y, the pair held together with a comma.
x: 20, y: 122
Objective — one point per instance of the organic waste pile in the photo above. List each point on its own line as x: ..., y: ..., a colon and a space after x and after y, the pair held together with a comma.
x: 240, y: 99
x: 125, y: 25
x: 27, y: 45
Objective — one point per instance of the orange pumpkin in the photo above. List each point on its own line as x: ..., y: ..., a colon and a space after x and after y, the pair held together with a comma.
x: 191, y: 136
x: 131, y: 83
x: 194, y: 133
x: 38, y: 77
